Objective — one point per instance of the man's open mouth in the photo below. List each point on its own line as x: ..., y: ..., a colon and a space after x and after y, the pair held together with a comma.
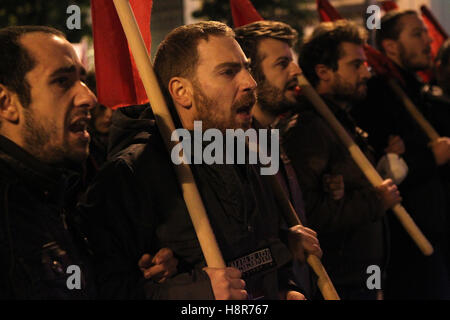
x: 292, y: 85
x: 79, y: 127
x: 247, y: 106
x: 245, y: 109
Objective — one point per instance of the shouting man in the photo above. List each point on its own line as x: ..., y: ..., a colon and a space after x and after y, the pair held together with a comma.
x: 44, y: 112
x: 136, y: 204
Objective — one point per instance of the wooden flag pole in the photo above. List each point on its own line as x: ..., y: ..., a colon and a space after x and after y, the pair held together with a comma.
x: 413, y: 111
x: 364, y: 164
x: 166, y: 126
x: 324, y: 283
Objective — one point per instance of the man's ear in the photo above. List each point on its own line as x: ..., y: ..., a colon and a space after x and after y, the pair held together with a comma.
x: 8, y: 105
x: 323, y: 72
x: 390, y: 47
x: 181, y: 91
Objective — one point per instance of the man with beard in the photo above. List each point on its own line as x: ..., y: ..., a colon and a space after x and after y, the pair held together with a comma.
x: 44, y: 111
x: 404, y: 40
x: 268, y: 45
x: 136, y: 205
x: 350, y: 227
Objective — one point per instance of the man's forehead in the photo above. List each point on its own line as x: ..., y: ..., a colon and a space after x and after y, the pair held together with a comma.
x: 49, y: 51
x: 350, y: 51
x: 274, y: 48
x: 219, y: 49
x: 411, y: 21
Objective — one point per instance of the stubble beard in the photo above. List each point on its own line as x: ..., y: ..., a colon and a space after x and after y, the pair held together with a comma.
x: 272, y: 100
x: 407, y: 60
x: 38, y: 138
x: 213, y: 119
x: 346, y: 92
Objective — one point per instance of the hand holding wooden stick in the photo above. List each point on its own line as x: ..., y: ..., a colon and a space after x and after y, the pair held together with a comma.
x: 324, y: 283
x: 166, y: 126
x: 364, y: 164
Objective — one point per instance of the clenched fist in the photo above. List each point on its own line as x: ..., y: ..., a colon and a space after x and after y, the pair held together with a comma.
x: 160, y: 267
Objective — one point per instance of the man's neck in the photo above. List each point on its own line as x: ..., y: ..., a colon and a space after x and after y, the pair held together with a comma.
x: 264, y: 118
x: 396, y: 60
x: 326, y: 93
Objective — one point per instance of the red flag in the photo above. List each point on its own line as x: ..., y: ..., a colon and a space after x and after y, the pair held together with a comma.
x: 243, y: 13
x: 389, y: 5
x: 326, y: 11
x: 435, y: 30
x: 381, y: 64
x: 118, y: 81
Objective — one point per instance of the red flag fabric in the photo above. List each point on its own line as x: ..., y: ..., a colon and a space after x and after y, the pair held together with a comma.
x: 381, y: 64
x: 389, y: 5
x: 435, y: 30
x: 118, y: 81
x: 326, y: 11
x: 243, y: 13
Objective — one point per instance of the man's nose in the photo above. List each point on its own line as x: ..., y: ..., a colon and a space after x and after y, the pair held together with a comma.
x: 248, y: 83
x: 364, y: 71
x: 85, y: 98
x: 428, y: 39
x: 294, y: 70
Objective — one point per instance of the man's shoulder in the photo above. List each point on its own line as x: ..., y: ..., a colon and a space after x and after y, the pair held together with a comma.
x: 7, y: 170
x: 136, y: 155
x: 309, y: 125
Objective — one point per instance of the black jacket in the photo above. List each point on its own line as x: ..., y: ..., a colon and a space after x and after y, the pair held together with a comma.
x: 39, y: 231
x: 135, y: 206
x: 351, y: 231
x: 383, y: 114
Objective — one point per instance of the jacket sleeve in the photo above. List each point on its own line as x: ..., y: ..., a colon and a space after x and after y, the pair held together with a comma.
x: 382, y: 114
x: 315, y: 151
x: 121, y: 221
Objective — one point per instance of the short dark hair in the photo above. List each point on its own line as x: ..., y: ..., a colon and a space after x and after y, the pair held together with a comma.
x: 177, y: 54
x: 16, y: 61
x: 390, y: 26
x: 250, y: 35
x: 324, y: 46
x: 444, y: 53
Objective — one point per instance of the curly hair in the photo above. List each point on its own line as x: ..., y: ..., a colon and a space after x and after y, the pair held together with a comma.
x: 324, y: 46
x: 250, y: 35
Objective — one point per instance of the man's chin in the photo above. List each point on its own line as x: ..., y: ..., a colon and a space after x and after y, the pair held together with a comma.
x: 78, y: 152
x: 78, y: 157
x: 420, y: 65
x: 246, y: 124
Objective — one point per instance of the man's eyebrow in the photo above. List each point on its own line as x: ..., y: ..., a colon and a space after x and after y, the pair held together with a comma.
x: 67, y: 69
x: 422, y: 28
x: 282, y: 59
x: 230, y: 65
x: 357, y: 60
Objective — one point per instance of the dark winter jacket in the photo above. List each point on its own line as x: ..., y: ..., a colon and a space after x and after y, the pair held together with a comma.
x: 383, y: 114
x: 39, y: 231
x: 351, y: 231
x: 135, y: 206
x: 423, y: 192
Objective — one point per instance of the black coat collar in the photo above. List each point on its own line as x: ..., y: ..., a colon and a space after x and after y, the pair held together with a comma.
x: 18, y: 166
